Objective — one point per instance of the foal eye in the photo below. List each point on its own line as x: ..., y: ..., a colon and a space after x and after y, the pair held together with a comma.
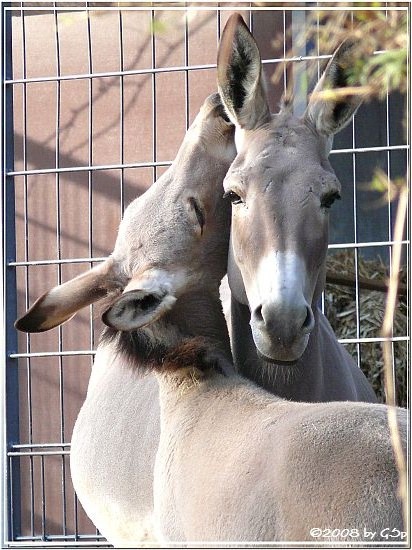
x: 199, y: 213
x: 328, y: 199
x: 233, y: 197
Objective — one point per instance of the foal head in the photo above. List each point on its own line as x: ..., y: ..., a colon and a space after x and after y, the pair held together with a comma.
x: 172, y: 240
x: 281, y: 186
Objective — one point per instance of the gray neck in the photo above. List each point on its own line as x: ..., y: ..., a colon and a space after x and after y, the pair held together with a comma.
x: 325, y: 372
x: 199, y: 314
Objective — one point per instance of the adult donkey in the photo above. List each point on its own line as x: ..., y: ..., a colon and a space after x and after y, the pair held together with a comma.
x: 282, y: 186
x: 166, y: 237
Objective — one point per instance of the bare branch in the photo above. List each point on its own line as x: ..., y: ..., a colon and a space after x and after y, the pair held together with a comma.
x: 387, y: 354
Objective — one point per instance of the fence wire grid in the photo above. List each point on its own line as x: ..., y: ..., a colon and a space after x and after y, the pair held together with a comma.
x: 96, y: 103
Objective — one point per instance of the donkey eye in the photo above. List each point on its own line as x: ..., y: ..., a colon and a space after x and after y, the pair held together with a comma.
x: 233, y: 197
x: 225, y: 117
x: 199, y: 213
x: 328, y: 199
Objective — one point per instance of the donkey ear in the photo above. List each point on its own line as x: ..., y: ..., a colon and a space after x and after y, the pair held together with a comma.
x: 61, y: 302
x: 138, y: 307
x: 239, y: 75
x: 329, y: 112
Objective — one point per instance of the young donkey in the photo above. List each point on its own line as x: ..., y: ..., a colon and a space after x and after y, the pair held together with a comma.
x: 234, y: 463
x: 166, y: 237
x: 281, y: 186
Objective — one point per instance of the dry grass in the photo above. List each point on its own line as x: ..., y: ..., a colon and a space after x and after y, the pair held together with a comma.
x: 340, y: 306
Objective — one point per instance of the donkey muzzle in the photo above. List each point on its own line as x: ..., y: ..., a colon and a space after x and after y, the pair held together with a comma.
x: 281, y: 330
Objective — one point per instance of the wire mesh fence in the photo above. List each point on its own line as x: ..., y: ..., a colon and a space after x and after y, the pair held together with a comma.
x: 97, y: 101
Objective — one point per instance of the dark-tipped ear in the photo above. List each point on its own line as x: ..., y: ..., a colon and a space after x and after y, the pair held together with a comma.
x: 61, y: 302
x: 330, y: 107
x: 239, y: 75
x: 136, y: 308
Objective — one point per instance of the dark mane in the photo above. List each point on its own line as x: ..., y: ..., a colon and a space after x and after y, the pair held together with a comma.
x: 144, y: 353
x: 136, y: 347
x: 190, y: 353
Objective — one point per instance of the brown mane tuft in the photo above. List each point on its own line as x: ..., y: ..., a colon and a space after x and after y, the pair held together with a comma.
x: 143, y: 353
x: 191, y: 353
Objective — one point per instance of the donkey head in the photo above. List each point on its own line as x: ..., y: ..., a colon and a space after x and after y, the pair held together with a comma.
x: 172, y: 240
x: 281, y: 186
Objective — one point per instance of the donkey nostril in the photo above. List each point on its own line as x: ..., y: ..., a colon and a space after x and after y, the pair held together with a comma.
x: 257, y: 314
x: 308, y: 322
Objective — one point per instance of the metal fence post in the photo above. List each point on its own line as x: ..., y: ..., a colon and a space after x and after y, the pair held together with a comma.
x: 10, y: 290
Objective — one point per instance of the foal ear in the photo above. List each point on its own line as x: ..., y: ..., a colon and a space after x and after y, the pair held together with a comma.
x: 137, y: 307
x: 329, y: 112
x: 61, y: 302
x: 239, y: 76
